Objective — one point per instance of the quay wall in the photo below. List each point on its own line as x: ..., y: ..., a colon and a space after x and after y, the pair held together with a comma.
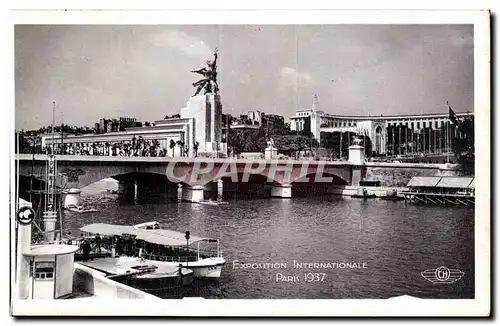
x: 399, y: 177
x: 96, y: 283
x: 377, y: 191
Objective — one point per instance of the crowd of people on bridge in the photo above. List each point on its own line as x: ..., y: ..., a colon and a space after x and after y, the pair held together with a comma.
x: 135, y: 147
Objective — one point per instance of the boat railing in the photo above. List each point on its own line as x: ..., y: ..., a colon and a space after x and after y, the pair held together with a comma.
x: 169, y: 258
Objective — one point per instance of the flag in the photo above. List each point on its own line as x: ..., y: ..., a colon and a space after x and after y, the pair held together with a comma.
x: 452, y: 116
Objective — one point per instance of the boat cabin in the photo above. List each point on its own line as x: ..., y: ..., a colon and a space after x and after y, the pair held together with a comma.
x: 149, y: 241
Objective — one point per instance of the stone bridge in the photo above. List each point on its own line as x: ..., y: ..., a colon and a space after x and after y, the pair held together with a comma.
x: 76, y: 172
x: 194, y: 175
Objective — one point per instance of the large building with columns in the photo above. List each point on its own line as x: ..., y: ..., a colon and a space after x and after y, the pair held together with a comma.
x: 375, y: 127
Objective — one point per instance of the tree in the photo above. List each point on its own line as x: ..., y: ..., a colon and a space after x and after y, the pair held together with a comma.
x: 172, y: 146
x: 247, y: 140
x: 291, y: 145
x: 196, y: 146
x: 180, y: 143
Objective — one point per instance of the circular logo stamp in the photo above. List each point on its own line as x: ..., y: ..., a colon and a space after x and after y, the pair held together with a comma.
x: 442, y: 273
x: 25, y: 215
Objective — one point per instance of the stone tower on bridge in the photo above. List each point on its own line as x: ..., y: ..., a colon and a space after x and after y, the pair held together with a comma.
x: 205, y: 107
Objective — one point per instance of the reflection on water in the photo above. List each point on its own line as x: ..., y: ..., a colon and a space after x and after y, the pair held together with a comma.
x: 395, y: 241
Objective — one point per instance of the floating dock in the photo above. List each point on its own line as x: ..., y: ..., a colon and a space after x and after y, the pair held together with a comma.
x: 441, y: 191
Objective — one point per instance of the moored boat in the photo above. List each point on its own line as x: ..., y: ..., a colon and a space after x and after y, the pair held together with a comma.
x: 81, y: 209
x: 213, y: 202
x: 363, y: 193
x: 161, y: 247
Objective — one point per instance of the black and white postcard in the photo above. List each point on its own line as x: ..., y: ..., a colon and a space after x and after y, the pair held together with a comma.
x: 230, y: 163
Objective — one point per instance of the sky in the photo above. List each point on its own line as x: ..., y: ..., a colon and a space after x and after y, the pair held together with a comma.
x: 143, y: 71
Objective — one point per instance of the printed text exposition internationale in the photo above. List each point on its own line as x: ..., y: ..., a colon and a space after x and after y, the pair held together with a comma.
x: 299, y: 265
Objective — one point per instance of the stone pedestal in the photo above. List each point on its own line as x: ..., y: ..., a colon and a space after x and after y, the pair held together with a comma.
x: 72, y: 198
x: 207, y: 113
x: 220, y: 189
x: 126, y: 188
x: 282, y: 191
x: 192, y: 194
x: 358, y: 174
x: 271, y: 153
x: 357, y: 154
x: 357, y: 157
x: 172, y: 191
x: 179, y: 191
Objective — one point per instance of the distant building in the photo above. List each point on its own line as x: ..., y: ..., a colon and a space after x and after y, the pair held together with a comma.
x: 190, y: 127
x: 113, y: 125
x: 380, y: 129
x: 102, y: 126
x: 258, y: 119
x: 273, y: 122
x: 308, y: 120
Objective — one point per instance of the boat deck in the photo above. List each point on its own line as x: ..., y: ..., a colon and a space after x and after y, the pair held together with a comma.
x: 121, y: 266
x: 113, y: 266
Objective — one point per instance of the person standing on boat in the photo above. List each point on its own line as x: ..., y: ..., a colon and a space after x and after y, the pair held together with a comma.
x: 80, y: 241
x: 86, y: 249
x: 98, y: 243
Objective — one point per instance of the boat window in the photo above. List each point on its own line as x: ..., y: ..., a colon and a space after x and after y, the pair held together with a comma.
x: 44, y: 270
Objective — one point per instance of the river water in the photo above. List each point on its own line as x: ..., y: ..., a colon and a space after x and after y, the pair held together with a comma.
x: 390, y: 243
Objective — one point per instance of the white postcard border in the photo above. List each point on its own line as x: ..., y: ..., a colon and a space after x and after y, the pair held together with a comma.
x: 226, y: 307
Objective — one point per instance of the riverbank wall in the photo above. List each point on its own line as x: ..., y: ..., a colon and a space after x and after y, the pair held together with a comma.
x: 381, y: 191
x: 399, y: 177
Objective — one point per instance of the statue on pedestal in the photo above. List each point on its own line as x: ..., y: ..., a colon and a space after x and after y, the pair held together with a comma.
x: 357, y: 141
x: 270, y: 143
x: 270, y: 152
x: 209, y: 81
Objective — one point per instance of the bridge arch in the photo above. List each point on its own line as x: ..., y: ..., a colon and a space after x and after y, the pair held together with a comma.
x: 254, y: 178
x: 324, y: 178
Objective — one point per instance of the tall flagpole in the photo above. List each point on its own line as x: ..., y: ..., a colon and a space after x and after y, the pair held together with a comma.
x: 418, y: 143
x: 412, y: 135
x: 406, y: 140
x: 53, y: 123
x: 62, y: 135
x: 446, y: 138
x: 425, y: 150
x: 434, y: 141
x: 448, y: 142
x: 340, y: 154
x: 393, y: 141
x: 399, y: 139
x: 440, y: 136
